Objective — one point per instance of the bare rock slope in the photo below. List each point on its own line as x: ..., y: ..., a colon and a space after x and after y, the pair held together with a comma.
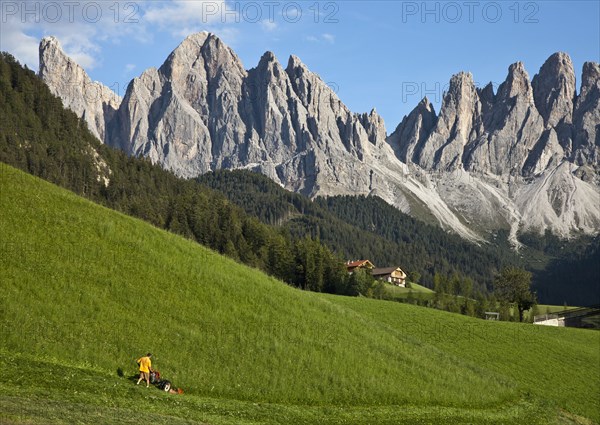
x: 91, y: 100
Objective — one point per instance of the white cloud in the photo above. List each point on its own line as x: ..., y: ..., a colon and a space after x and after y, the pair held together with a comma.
x: 83, y: 27
x: 175, y: 14
x: 20, y: 45
x: 229, y: 35
x: 330, y: 38
x: 80, y: 44
x: 180, y: 18
x: 129, y: 68
x: 80, y: 27
x: 268, y: 25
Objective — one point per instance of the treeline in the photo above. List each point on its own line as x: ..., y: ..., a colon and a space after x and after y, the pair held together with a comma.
x: 359, y: 227
x: 454, y: 294
x: 41, y: 137
x: 459, y: 295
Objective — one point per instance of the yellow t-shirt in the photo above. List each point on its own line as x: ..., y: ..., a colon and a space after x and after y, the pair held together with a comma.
x: 145, y: 364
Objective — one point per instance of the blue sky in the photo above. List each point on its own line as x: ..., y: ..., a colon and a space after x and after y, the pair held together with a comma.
x: 382, y: 54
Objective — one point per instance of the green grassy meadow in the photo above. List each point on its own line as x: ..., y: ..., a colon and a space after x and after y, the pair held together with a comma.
x: 86, y: 290
x: 416, y: 291
x: 549, y: 309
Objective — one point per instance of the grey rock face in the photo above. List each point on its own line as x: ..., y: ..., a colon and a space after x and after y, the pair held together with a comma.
x: 459, y: 121
x: 201, y: 111
x: 511, y: 128
x: 554, y: 95
x: 586, y: 118
x: 411, y: 133
x: 554, y: 90
x: 518, y: 147
x: 374, y: 126
x: 487, y: 98
x: 523, y: 158
x: 93, y: 101
x: 523, y: 130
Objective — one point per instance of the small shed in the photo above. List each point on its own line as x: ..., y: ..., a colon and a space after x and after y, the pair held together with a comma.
x: 578, y: 317
x: 492, y: 315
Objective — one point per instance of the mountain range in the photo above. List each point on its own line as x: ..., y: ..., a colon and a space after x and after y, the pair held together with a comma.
x: 524, y: 158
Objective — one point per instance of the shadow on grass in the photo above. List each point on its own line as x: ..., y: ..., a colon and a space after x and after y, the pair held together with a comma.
x: 131, y: 378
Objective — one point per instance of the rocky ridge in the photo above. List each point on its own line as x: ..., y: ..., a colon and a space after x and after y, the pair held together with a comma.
x: 91, y: 100
x: 524, y: 158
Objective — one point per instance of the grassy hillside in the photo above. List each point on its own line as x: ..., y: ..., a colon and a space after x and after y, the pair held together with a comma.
x: 416, y: 291
x: 85, y: 290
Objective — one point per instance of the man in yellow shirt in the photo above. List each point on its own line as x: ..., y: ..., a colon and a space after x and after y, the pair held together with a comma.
x: 145, y: 369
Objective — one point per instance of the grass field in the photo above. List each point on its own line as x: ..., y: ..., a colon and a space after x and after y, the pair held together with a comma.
x: 86, y: 290
x: 549, y: 309
x: 416, y: 291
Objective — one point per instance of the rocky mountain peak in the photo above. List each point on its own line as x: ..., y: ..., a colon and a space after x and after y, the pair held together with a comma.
x: 559, y: 61
x: 93, y: 101
x: 590, y: 77
x: 516, y: 84
x: 312, y: 91
x: 457, y: 81
x: 586, y: 120
x: 554, y: 89
x: 295, y: 65
x: 197, y: 38
x: 461, y: 91
x: 487, y: 98
x: 202, y: 54
x: 487, y: 92
x: 48, y: 43
x: 268, y: 56
x: 187, y: 52
x: 411, y: 133
x: 268, y: 63
x: 462, y: 95
x: 425, y: 103
x: 457, y: 121
x: 374, y: 126
x: 51, y: 56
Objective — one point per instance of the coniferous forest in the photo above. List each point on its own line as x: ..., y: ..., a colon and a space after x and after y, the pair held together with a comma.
x: 360, y: 227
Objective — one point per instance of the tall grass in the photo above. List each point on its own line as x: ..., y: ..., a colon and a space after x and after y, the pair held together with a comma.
x: 83, y: 286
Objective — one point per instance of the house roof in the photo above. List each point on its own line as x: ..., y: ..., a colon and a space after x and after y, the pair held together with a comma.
x: 385, y: 270
x: 354, y: 264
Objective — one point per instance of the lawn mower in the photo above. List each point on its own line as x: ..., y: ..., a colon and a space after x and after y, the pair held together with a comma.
x: 163, y: 384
